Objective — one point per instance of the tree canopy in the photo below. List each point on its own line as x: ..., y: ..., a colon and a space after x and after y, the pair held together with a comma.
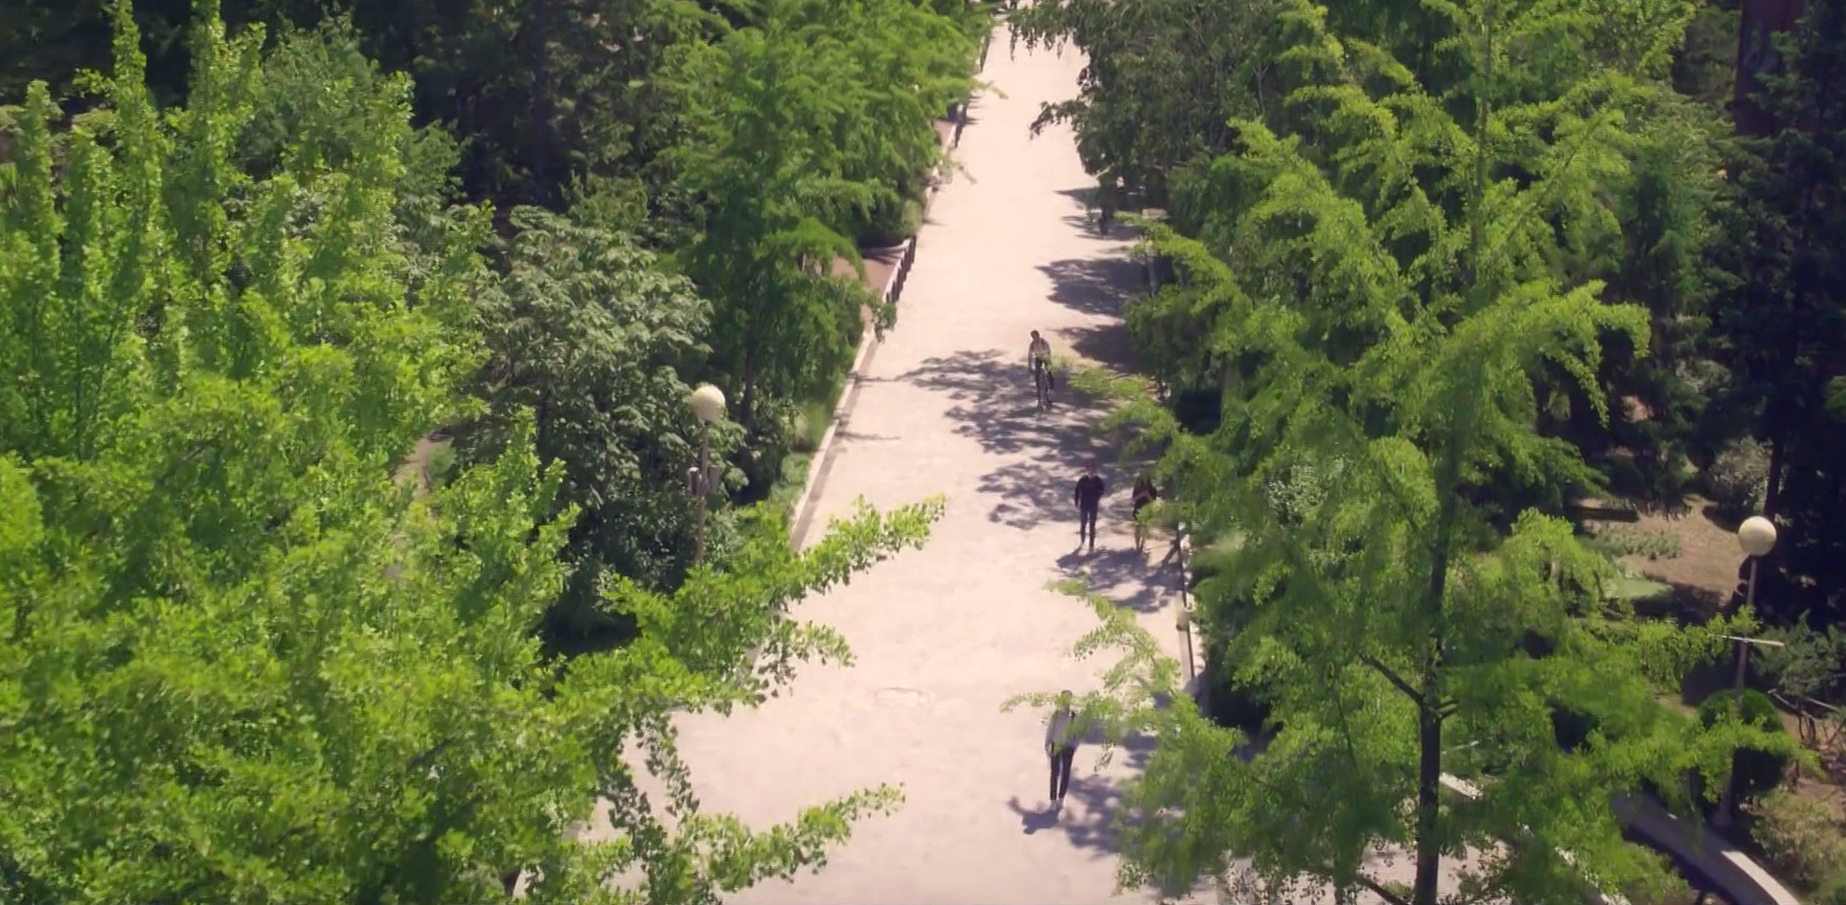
x: 251, y: 654
x: 1423, y: 274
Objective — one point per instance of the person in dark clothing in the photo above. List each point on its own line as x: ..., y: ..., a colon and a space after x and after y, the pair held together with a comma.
x: 1061, y: 747
x: 1088, y: 495
x: 1144, y: 494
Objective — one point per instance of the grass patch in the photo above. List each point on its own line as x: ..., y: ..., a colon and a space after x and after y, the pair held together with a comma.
x: 1625, y: 541
x: 810, y: 426
x: 789, y: 486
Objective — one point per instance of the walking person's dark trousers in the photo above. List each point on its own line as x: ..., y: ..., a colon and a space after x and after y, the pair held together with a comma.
x: 1060, y: 771
x: 1086, y: 524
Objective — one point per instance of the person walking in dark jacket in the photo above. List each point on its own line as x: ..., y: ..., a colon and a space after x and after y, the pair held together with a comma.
x: 1061, y: 747
x: 1088, y: 495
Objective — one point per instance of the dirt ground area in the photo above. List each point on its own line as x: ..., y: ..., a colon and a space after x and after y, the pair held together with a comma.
x: 1691, y: 550
x: 1708, y: 560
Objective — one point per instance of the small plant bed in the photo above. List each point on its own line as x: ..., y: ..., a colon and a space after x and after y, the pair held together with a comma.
x: 787, y: 491
x: 1694, y: 557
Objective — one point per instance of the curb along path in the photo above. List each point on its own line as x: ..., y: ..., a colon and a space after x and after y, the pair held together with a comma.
x: 943, y: 635
x: 890, y: 291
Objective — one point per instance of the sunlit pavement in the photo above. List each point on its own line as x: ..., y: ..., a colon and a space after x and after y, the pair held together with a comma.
x: 943, y: 635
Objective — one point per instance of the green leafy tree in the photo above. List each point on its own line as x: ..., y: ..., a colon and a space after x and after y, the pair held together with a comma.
x: 1164, y: 80
x: 1779, y: 328
x: 550, y: 92
x: 1660, y: 419
x: 1380, y: 288
x: 590, y: 333
x: 314, y: 81
x: 801, y: 124
x: 241, y: 660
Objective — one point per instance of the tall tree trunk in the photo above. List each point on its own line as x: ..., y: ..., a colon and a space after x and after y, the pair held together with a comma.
x: 747, y: 403
x: 1429, y: 792
x: 1778, y: 463
x: 1431, y: 697
x: 538, y: 135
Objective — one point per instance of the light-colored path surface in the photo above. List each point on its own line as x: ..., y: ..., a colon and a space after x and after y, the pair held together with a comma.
x: 944, y: 635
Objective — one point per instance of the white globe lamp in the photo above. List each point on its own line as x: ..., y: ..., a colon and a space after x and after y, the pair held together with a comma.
x: 1756, y: 536
x: 708, y: 403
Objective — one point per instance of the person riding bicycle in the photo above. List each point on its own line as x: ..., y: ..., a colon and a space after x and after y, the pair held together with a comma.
x: 1143, y: 496
x: 1144, y: 493
x: 1038, y: 354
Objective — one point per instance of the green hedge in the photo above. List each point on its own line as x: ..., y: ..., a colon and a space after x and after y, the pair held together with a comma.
x: 891, y: 222
x: 1754, y: 771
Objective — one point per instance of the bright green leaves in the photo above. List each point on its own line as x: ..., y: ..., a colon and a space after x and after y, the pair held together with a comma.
x: 241, y: 659
x: 724, y: 639
x: 1379, y: 281
x: 717, y: 616
x: 74, y: 280
x: 802, y: 125
x: 588, y: 331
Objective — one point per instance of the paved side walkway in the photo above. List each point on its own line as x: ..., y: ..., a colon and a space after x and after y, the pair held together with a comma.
x: 944, y: 635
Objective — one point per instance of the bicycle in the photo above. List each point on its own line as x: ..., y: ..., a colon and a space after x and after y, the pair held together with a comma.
x: 1041, y: 384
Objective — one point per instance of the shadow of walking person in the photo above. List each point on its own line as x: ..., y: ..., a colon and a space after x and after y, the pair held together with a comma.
x: 1034, y: 819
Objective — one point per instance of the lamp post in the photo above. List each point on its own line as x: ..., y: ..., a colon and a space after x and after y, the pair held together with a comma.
x: 707, y: 405
x: 1757, y: 537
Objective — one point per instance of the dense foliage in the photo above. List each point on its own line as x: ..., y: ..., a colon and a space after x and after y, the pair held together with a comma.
x: 1706, y: 232
x: 258, y: 646
x: 1779, y: 329
x: 650, y: 118
x: 1442, y: 270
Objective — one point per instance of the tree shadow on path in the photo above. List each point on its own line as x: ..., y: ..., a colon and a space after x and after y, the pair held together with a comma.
x: 992, y: 404
x: 1123, y: 575
x: 1094, y: 286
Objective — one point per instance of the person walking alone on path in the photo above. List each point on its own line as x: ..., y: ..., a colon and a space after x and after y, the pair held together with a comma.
x: 1088, y: 496
x: 1061, y: 747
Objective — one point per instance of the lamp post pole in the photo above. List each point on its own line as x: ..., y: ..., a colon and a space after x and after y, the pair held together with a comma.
x: 698, y: 476
x: 707, y: 405
x: 1757, y: 537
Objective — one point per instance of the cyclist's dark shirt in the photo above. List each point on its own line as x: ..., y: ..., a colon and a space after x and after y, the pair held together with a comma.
x: 1144, y: 493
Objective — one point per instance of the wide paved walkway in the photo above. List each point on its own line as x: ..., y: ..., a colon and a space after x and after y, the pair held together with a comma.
x: 944, y: 635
